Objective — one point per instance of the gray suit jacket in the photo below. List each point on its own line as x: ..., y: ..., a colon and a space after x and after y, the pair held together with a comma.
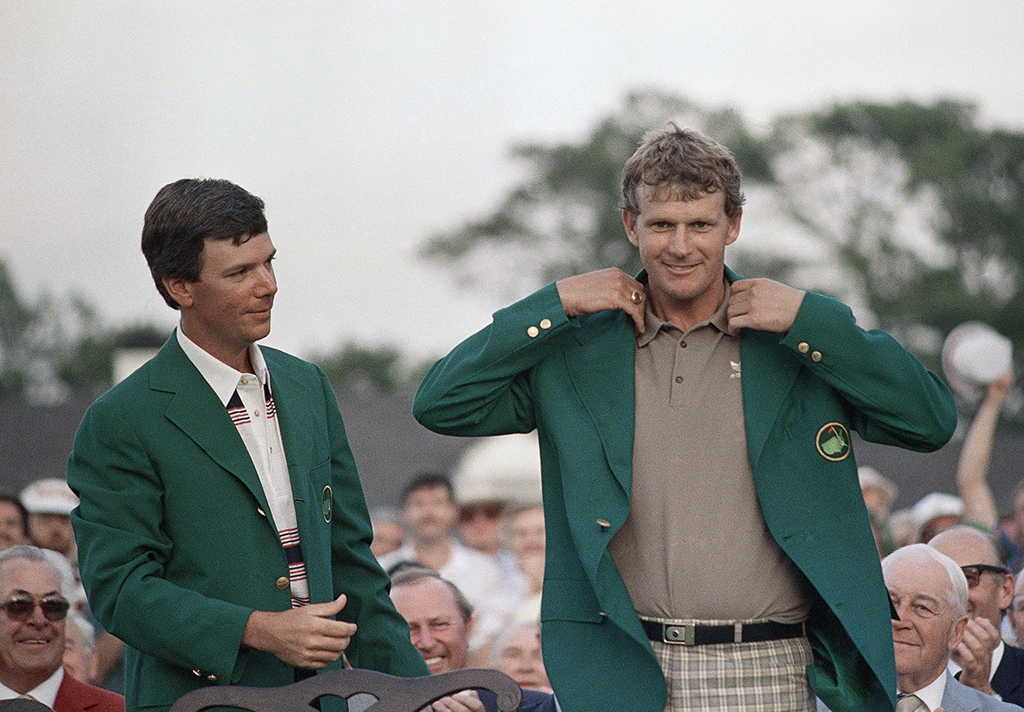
x: 960, y: 698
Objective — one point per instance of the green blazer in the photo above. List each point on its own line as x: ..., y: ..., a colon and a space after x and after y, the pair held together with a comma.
x: 572, y: 380
x: 176, y: 545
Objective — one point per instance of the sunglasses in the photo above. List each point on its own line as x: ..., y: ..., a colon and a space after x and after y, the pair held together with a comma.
x: 472, y: 511
x: 974, y: 572
x: 21, y: 608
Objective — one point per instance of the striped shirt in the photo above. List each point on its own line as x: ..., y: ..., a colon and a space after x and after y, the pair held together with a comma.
x: 250, y: 405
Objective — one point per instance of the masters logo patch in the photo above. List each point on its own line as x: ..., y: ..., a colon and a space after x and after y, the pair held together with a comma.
x: 833, y: 442
x: 325, y: 503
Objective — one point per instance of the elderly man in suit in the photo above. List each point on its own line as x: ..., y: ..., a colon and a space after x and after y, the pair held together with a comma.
x: 928, y: 592
x: 34, y: 585
x: 223, y: 533
x: 982, y: 660
x: 701, y: 499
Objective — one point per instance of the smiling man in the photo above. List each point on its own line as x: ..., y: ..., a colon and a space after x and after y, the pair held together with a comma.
x: 33, y: 588
x: 222, y: 530
x: 928, y: 592
x: 701, y: 498
x: 440, y: 620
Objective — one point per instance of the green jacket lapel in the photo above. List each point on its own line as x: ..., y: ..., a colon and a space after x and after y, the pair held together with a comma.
x: 766, y: 381
x: 196, y: 410
x: 601, y: 370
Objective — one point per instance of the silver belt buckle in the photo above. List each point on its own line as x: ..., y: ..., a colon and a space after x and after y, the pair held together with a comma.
x: 679, y: 634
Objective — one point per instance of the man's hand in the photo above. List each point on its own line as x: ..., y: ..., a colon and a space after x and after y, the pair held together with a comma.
x: 974, y: 654
x: 762, y: 304
x: 306, y: 637
x: 460, y: 702
x: 604, y: 289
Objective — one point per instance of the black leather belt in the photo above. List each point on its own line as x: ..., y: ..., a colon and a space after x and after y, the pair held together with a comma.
x: 698, y: 634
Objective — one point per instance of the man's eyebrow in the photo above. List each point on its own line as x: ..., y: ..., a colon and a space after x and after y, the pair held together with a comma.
x: 248, y: 265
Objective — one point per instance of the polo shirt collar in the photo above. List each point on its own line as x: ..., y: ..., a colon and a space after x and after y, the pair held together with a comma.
x: 653, y: 324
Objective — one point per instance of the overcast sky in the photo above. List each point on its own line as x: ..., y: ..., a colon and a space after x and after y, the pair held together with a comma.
x: 368, y: 125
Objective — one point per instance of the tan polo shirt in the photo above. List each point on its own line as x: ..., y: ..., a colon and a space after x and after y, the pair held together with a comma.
x: 695, y: 544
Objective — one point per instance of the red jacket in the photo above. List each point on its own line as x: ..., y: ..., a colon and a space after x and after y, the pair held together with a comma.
x: 75, y: 696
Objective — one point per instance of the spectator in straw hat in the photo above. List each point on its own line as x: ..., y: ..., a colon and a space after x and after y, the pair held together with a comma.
x: 49, y: 502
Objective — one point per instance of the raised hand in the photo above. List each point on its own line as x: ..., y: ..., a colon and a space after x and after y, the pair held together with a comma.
x: 762, y: 304
x: 601, y: 290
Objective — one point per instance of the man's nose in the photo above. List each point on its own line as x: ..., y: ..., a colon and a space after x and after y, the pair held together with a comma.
x: 679, y: 241
x: 423, y: 640
x: 268, y: 281
x: 37, y: 617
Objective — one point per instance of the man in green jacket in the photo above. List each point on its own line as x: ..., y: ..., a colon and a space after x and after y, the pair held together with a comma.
x: 707, y: 542
x: 222, y: 531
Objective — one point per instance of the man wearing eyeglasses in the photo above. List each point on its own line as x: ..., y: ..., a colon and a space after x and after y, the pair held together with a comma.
x: 982, y: 660
x: 32, y: 635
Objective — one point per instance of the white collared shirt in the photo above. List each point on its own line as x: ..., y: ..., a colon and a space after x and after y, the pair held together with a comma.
x: 931, y: 694
x: 45, y: 691
x: 259, y: 429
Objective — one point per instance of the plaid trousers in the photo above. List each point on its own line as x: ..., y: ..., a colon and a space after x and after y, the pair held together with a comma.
x: 769, y: 676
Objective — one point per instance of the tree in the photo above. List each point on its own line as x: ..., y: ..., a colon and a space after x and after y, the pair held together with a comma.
x: 383, y: 369
x: 977, y: 176
x: 53, y: 346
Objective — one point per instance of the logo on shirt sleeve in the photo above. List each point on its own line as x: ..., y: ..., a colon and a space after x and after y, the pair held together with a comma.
x: 833, y: 442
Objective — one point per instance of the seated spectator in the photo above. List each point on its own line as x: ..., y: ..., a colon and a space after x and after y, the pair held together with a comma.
x: 879, y: 493
x: 429, y: 515
x: 49, y: 503
x: 80, y: 658
x: 929, y: 594
x: 982, y: 660
x: 517, y: 653
x: 34, y: 585
x: 1016, y: 610
x: 440, y: 620
x: 13, y: 522
x: 494, y: 477
x: 526, y: 540
x: 388, y: 534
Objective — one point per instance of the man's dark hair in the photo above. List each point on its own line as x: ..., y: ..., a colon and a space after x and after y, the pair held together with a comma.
x: 413, y: 573
x: 186, y: 213
x: 22, y: 512
x: 428, y: 480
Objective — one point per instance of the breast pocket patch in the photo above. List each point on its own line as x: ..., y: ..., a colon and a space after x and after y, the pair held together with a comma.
x: 326, y: 505
x: 833, y: 442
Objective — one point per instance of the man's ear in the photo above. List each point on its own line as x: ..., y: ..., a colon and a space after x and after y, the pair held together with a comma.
x: 1006, y: 592
x: 178, y: 288
x: 734, y: 228
x: 629, y: 222
x: 958, y: 632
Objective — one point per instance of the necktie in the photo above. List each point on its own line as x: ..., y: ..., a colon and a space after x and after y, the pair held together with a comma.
x: 909, y: 703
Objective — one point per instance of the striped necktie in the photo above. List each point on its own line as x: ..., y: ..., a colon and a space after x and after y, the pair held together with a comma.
x: 909, y: 703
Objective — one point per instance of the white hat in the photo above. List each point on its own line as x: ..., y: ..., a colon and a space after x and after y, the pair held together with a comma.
x: 505, y: 468
x: 974, y: 355
x: 871, y: 478
x: 49, y: 496
x: 935, y: 505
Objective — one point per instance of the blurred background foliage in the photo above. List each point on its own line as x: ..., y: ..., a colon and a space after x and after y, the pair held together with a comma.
x: 911, y: 213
